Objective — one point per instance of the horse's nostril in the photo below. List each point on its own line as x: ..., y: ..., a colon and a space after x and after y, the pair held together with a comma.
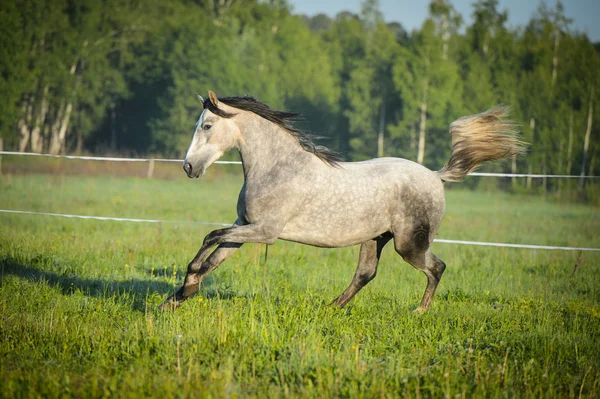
x: 187, y: 167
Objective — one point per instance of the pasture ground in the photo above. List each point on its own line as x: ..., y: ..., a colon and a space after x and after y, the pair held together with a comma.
x: 78, y: 302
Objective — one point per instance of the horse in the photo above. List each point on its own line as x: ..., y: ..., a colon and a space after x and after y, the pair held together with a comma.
x: 298, y: 191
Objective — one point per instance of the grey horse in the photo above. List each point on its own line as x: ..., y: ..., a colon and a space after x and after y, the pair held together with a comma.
x: 297, y: 191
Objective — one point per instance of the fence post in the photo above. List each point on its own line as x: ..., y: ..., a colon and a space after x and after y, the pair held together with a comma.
x: 150, y: 169
x: 1, y: 149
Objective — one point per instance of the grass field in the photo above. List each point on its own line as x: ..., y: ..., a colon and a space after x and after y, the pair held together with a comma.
x: 79, y: 318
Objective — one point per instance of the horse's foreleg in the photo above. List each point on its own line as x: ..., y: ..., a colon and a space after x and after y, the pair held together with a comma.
x: 255, y: 233
x: 229, y: 240
x: 370, y: 253
x: 197, y: 270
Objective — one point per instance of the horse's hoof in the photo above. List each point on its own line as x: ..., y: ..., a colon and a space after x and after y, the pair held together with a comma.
x: 420, y: 310
x: 335, y: 304
x: 169, y: 305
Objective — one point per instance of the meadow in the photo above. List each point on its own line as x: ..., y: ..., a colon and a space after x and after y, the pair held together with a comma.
x: 79, y: 298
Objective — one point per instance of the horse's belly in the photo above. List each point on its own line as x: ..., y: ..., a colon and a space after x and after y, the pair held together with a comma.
x: 322, y: 241
x: 331, y: 232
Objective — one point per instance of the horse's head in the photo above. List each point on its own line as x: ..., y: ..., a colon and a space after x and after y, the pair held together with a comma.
x: 216, y: 132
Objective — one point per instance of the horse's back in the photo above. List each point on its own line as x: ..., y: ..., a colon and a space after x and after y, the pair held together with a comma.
x: 409, y: 177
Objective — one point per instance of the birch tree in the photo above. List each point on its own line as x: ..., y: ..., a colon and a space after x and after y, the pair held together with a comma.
x: 427, y: 77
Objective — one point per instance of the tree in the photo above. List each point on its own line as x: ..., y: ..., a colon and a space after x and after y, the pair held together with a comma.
x: 428, y: 79
x: 74, y: 52
x: 255, y: 49
x: 346, y: 45
x: 371, y: 95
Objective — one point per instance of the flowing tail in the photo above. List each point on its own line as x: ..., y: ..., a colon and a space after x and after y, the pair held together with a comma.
x: 480, y: 138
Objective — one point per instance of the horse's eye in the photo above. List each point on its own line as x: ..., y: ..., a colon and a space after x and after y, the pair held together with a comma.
x: 206, y: 127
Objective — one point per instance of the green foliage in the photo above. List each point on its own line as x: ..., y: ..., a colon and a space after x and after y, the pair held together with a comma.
x: 64, y: 67
x: 258, y: 50
x: 79, y: 299
x: 370, y: 91
x: 13, y: 64
x: 428, y: 79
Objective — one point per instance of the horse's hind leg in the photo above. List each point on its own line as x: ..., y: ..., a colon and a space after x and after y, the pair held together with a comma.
x: 432, y: 266
x: 370, y: 252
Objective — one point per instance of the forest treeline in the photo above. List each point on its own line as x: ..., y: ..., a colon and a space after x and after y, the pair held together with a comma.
x: 122, y: 76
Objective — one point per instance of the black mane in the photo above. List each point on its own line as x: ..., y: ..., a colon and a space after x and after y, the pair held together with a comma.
x: 282, y: 118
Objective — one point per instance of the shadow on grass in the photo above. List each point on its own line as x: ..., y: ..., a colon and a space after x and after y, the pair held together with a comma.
x: 135, y: 288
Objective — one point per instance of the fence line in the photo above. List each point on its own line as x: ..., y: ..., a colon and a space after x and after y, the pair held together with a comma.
x: 531, y: 175
x: 115, y: 159
x: 442, y: 241
x: 152, y: 160
x: 116, y: 219
x: 507, y: 245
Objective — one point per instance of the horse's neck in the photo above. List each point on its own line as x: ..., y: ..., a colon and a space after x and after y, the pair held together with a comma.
x: 266, y: 145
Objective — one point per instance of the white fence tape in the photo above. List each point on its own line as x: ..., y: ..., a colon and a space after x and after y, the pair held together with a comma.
x: 65, y: 215
x: 483, y: 174
x: 91, y: 158
x: 506, y: 245
x: 459, y: 242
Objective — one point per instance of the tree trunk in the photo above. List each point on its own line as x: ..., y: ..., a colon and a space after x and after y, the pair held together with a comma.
x: 381, y: 130
x: 570, y: 145
x: 423, y: 120
x: 544, y: 179
x: 555, y: 56
x: 57, y: 144
x: 79, y: 145
x: 37, y: 138
x: 586, y: 141
x: 561, y: 151
x: 46, y: 136
x: 445, y: 36
x: 59, y: 129
x: 55, y: 128
x: 24, y: 125
x: 413, y: 138
x: 513, y: 169
x: 113, y: 130
x: 529, y: 168
x: 422, y: 132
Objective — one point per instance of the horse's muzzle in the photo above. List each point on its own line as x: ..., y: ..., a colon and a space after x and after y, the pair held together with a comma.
x: 193, y: 172
x: 187, y: 168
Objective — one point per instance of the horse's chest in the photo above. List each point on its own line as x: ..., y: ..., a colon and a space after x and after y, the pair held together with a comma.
x: 248, y: 209
x: 262, y: 205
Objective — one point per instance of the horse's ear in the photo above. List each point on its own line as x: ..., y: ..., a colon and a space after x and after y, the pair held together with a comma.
x: 200, y: 98
x: 213, y: 98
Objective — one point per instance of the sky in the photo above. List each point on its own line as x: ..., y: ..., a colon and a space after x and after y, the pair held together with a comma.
x: 411, y: 13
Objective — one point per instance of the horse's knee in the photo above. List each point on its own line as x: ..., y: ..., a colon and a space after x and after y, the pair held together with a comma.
x: 364, y: 277
x: 212, y: 237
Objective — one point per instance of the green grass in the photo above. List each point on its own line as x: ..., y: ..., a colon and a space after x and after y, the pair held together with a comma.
x: 78, y: 302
